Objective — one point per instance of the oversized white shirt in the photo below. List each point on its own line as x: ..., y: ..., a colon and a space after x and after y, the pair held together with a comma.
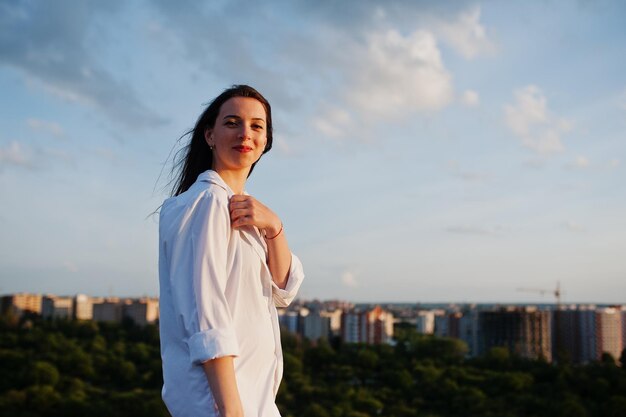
x: 217, y: 298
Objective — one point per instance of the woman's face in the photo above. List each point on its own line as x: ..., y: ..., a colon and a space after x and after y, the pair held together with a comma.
x: 239, y: 135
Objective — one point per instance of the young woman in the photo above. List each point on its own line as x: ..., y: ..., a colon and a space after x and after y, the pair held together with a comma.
x: 224, y: 266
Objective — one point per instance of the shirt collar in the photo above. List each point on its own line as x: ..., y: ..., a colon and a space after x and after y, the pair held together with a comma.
x: 250, y: 233
x: 213, y: 177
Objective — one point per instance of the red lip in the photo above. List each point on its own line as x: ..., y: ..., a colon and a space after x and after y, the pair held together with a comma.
x: 242, y: 148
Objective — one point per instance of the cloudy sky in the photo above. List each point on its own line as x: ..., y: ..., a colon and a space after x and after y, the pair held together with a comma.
x: 423, y: 152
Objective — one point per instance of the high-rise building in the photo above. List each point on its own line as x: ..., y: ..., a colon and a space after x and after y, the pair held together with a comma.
x: 525, y: 331
x: 454, y: 324
x: 54, y: 307
x: 372, y: 326
x: 82, y: 307
x: 334, y: 318
x: 315, y: 326
x: 352, y: 329
x: 623, y: 309
x: 469, y: 331
x: 609, y: 332
x: 288, y: 319
x: 379, y: 324
x: 588, y: 334
x: 584, y: 332
x: 142, y: 310
x: 425, y: 322
x: 566, y: 334
x: 108, y: 310
x: 442, y: 324
x: 18, y: 304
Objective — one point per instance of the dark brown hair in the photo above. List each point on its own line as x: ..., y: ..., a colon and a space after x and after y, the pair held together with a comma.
x: 196, y: 157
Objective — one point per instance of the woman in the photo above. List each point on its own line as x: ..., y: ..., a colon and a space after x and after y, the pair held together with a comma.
x: 224, y: 264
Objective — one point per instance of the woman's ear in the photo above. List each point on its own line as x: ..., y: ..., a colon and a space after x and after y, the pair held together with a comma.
x: 208, y: 137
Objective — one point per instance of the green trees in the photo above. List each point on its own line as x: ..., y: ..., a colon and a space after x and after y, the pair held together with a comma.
x: 71, y: 368
x: 428, y: 376
x: 43, y: 373
x: 68, y: 368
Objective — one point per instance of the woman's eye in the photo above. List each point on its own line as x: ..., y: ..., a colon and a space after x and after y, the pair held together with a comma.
x: 257, y: 126
x: 230, y: 123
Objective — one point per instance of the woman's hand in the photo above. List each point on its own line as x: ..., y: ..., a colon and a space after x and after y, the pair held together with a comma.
x: 246, y: 210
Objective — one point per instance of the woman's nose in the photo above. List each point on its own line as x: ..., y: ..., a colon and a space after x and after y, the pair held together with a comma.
x: 244, y: 133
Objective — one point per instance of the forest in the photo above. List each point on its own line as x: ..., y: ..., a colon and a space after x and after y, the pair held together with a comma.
x: 83, y: 368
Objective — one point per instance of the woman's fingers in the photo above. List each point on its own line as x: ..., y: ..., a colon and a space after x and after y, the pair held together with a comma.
x: 239, y: 203
x: 246, y: 210
x: 239, y: 209
x: 239, y: 199
x: 241, y: 214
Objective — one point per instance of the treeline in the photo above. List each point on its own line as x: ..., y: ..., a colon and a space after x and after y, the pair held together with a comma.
x: 69, y: 368
x: 427, y: 376
x: 79, y: 368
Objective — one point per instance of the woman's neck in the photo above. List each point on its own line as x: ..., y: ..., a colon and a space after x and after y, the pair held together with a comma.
x: 236, y: 180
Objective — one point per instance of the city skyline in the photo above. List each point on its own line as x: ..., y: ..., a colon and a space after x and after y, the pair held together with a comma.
x: 414, y: 303
x: 583, y: 333
x: 423, y: 152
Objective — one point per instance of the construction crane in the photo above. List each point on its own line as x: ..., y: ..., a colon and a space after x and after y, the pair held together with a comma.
x: 556, y: 292
x: 558, y: 337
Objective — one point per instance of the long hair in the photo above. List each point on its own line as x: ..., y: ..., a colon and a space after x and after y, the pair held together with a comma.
x: 196, y: 157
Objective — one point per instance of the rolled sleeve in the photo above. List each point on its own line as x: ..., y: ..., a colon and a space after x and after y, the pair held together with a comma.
x: 210, y: 328
x: 284, y: 297
x: 211, y: 344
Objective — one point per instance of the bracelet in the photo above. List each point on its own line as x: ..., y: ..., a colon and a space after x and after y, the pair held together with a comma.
x: 276, y: 235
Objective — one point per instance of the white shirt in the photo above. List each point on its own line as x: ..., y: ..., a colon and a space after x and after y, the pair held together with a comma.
x: 217, y: 298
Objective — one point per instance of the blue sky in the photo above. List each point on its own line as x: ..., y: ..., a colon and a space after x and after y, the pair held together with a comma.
x: 423, y: 152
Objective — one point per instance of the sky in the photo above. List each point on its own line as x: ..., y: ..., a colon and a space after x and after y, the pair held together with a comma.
x: 424, y: 151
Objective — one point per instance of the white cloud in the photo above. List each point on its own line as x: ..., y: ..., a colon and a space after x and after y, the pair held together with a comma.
x: 51, y: 46
x: 36, y: 157
x: 470, y: 98
x: 564, y: 125
x: 466, y: 34
x: 475, y: 230
x: 51, y: 128
x: 282, y: 145
x: 580, y: 163
x: 390, y: 77
x: 530, y: 108
x: 108, y: 155
x: 466, y: 175
x: 571, y: 226
x: 531, y: 121
x: 535, y: 163
x: 348, y: 279
x: 15, y: 154
x: 366, y: 58
x: 62, y: 155
x: 70, y: 266
x: 333, y: 123
x: 474, y: 176
x: 399, y: 75
x: 546, y: 142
